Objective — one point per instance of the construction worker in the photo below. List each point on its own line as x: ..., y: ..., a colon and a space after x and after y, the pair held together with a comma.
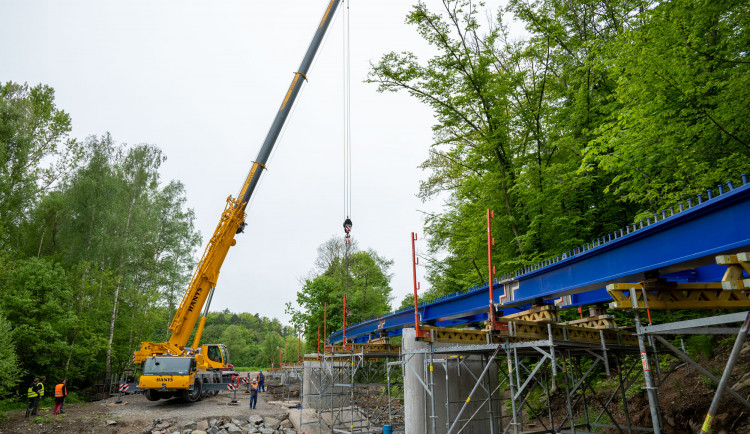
x: 41, y: 387
x: 33, y: 395
x: 61, y: 391
x: 254, y: 394
x: 261, y: 381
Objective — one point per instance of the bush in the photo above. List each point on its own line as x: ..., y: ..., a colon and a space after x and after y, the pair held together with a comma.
x: 10, y: 373
x: 699, y: 345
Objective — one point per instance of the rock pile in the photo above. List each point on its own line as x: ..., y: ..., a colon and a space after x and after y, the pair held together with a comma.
x: 253, y: 424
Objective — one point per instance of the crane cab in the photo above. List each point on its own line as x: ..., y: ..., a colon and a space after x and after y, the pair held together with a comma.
x: 215, y: 357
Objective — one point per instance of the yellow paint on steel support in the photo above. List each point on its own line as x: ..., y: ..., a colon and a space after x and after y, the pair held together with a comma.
x: 596, y: 322
x: 249, y: 178
x: 671, y: 295
x: 328, y: 11
x: 289, y: 92
x: 522, y: 331
x: 736, y: 264
x: 459, y: 336
x: 537, y: 313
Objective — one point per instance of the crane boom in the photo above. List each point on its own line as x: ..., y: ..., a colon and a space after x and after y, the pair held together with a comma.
x: 286, y: 105
x: 232, y: 219
x: 233, y: 216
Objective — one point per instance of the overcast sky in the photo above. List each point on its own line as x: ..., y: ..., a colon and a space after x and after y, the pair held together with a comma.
x: 202, y: 80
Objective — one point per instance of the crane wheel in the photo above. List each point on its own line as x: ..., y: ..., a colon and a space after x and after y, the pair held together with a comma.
x: 152, y: 395
x: 206, y: 393
x: 195, y: 394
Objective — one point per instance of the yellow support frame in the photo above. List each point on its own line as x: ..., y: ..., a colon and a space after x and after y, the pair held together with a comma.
x: 733, y: 277
x: 669, y: 295
x: 519, y: 331
x: 373, y: 348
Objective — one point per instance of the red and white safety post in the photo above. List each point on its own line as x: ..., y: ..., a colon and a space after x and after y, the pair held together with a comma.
x: 123, y: 388
x: 233, y: 388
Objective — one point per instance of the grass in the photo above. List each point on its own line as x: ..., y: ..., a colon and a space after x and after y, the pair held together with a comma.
x: 42, y: 419
x: 247, y: 369
x: 47, y: 403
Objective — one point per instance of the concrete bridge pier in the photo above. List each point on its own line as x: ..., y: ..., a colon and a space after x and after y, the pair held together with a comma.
x: 438, y: 379
x: 321, y: 385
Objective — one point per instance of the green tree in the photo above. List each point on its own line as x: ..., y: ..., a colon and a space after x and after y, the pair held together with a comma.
x: 341, y: 271
x: 512, y: 121
x: 10, y: 369
x: 234, y: 337
x: 34, y: 298
x: 35, y: 150
x: 272, y: 343
x: 677, y: 124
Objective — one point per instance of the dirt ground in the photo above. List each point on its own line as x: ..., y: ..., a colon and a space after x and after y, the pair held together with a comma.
x: 136, y: 414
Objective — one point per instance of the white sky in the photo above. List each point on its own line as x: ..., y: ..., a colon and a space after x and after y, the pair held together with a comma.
x: 202, y: 80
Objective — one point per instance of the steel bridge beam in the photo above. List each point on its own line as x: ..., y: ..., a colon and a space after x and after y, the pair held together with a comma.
x: 668, y: 243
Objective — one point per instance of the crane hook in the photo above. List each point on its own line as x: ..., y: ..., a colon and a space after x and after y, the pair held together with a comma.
x: 347, y: 229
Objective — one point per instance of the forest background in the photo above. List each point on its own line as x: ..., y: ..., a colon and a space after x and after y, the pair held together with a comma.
x: 607, y: 112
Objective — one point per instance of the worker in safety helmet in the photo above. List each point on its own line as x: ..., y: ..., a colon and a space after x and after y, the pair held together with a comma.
x: 261, y: 381
x: 254, y: 394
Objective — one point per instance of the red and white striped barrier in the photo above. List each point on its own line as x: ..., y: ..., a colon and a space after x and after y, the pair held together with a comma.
x: 124, y: 387
x: 231, y: 386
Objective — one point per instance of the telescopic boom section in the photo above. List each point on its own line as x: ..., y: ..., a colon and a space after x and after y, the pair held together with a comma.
x: 232, y: 219
x: 286, y: 105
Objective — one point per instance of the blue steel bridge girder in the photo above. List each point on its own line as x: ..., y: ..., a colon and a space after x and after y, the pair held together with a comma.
x: 680, y: 247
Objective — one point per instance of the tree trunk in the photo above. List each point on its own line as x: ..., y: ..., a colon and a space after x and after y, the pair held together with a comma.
x: 117, y: 294
x: 112, y: 331
x: 70, y: 354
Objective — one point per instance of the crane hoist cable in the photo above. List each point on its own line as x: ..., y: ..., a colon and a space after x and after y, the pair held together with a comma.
x: 347, y: 125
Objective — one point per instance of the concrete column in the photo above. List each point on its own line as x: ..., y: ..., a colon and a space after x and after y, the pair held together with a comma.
x: 310, y: 378
x: 318, y: 387
x: 417, y: 405
x: 415, y: 397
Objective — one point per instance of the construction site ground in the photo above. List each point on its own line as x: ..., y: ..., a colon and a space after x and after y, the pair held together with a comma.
x: 138, y: 415
x: 684, y: 399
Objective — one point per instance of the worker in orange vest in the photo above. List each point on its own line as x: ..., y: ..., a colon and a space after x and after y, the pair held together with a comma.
x: 61, y: 391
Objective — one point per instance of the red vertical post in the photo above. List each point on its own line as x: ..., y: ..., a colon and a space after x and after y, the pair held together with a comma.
x: 343, y: 343
x: 318, y: 339
x: 490, y: 268
x: 414, y: 262
x: 273, y: 359
x: 299, y: 345
x: 325, y: 327
x: 286, y: 353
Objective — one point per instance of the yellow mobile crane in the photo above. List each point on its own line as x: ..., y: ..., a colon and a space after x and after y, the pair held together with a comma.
x: 172, y: 368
